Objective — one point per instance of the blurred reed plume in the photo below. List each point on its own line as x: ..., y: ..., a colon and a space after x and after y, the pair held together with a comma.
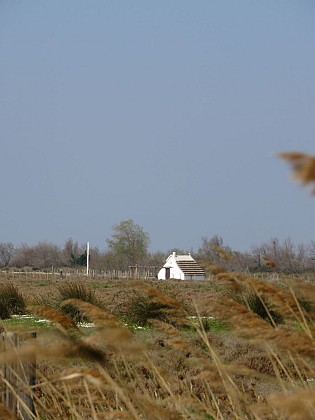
x: 269, y: 262
x: 222, y: 252
x: 76, y: 290
x: 303, y: 166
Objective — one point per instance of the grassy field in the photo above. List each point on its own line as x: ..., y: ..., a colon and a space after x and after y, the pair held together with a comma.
x: 229, y: 347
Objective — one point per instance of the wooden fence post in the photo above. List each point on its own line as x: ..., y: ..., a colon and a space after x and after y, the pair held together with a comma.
x: 18, y: 377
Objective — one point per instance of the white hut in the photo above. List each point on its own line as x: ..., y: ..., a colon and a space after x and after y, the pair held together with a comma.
x: 181, y: 267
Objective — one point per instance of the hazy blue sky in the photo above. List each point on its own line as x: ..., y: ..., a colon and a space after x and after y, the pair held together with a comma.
x: 167, y: 112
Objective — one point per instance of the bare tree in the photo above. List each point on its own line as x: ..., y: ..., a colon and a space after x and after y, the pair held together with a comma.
x: 209, y: 248
x: 216, y: 252
x: 25, y: 256
x: 42, y: 255
x: 97, y: 259
x: 6, y: 253
x: 47, y: 255
x: 287, y: 256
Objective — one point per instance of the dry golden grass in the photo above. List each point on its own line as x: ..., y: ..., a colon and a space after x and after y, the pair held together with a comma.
x: 172, y: 371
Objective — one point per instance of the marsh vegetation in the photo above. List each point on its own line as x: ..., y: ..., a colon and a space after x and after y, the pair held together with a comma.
x: 159, y: 350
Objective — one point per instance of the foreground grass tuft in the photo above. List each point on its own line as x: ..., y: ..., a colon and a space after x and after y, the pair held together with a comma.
x: 11, y: 301
x: 140, y: 306
x: 76, y: 290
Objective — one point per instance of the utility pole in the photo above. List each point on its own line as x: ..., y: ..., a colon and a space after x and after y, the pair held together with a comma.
x: 87, y: 258
x: 274, y: 249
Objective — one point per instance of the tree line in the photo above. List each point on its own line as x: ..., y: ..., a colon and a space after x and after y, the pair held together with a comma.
x: 129, y: 244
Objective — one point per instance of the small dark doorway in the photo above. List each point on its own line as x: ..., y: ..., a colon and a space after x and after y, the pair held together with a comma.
x: 167, y: 273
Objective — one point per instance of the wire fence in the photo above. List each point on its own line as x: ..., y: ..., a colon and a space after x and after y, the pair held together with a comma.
x: 70, y: 272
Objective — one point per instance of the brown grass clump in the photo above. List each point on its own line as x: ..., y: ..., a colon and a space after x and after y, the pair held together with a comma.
x: 249, y: 324
x: 142, y: 303
x: 76, y: 290
x: 281, y: 299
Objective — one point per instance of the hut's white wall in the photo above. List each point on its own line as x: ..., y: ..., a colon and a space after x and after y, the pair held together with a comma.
x: 174, y: 271
x: 177, y: 274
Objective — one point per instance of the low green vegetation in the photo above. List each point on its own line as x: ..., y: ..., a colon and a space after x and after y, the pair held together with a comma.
x: 26, y: 322
x: 207, y: 324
